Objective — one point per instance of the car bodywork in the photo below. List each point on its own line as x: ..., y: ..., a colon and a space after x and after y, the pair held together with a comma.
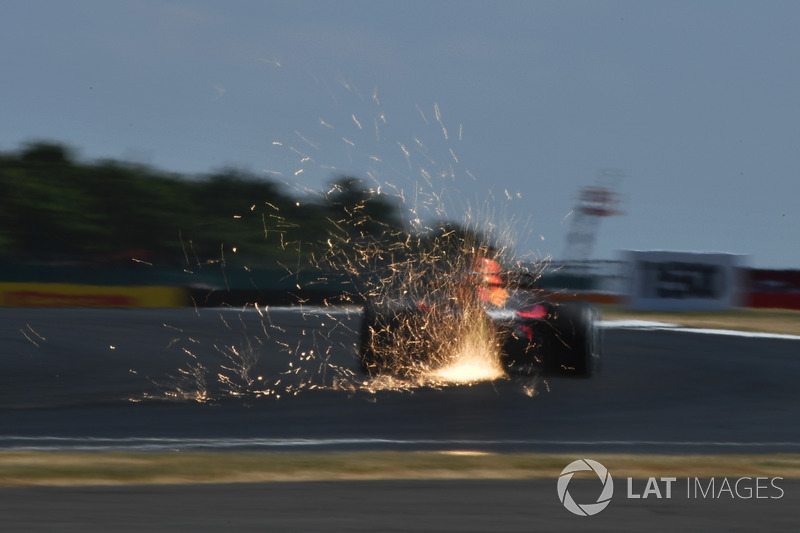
x: 526, y: 328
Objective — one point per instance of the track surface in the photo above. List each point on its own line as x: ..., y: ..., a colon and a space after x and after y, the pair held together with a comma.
x: 69, y: 375
x: 67, y: 378
x: 462, y: 506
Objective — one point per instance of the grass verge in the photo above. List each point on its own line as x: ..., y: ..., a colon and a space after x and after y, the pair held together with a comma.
x: 782, y: 321
x: 24, y: 468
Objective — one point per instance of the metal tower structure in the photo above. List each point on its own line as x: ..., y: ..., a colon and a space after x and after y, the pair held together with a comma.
x: 595, y: 202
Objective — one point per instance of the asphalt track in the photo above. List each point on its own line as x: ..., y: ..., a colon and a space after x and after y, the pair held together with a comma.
x: 111, y: 379
x: 388, y: 506
x: 84, y: 378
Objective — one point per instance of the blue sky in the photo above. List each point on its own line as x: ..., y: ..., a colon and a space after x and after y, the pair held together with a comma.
x: 497, y: 111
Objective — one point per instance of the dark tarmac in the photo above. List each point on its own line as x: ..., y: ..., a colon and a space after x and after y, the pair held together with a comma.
x: 76, y: 379
x: 388, y: 506
x: 72, y: 378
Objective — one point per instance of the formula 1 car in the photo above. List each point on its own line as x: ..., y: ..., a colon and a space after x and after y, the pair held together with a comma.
x: 530, y: 332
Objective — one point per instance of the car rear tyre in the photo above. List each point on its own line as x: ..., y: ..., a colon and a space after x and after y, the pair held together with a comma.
x: 575, y: 343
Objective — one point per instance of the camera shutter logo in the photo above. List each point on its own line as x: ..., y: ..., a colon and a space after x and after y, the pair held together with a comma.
x: 587, y: 509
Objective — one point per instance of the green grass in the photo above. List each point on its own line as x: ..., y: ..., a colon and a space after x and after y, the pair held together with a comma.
x: 120, y: 468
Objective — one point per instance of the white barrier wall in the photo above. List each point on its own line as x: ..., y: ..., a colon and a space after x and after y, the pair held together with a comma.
x: 677, y: 281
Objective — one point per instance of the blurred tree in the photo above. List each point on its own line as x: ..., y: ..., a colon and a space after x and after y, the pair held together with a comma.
x: 46, y: 152
x: 364, y: 212
x: 56, y: 206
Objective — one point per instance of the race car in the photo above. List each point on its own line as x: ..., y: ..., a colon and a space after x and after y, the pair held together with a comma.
x: 426, y: 324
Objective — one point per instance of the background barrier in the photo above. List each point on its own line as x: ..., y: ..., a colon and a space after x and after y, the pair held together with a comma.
x: 74, y: 295
x: 602, y: 282
x: 680, y: 281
